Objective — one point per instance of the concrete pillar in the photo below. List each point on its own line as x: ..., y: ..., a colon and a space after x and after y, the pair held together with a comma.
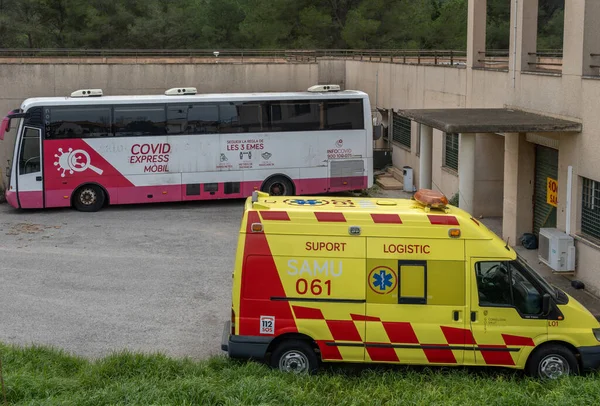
x: 476, y: 25
x: 581, y: 37
x: 519, y: 170
x: 523, y: 34
x: 466, y: 172
x: 426, y: 153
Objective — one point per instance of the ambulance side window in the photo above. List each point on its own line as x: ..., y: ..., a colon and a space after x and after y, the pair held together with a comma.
x: 502, y: 284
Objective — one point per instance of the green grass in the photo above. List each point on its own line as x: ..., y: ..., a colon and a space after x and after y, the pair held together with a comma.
x: 42, y: 376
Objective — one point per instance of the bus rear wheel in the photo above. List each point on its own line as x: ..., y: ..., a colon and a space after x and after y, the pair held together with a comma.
x: 278, y: 186
x: 89, y: 198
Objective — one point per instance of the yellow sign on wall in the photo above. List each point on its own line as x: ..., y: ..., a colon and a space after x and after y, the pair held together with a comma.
x: 552, y: 192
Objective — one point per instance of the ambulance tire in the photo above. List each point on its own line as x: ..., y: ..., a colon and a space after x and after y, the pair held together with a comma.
x: 278, y: 186
x: 89, y: 198
x: 295, y: 356
x: 551, y: 362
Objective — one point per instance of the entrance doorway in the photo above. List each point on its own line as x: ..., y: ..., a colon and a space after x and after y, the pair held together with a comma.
x: 546, y: 166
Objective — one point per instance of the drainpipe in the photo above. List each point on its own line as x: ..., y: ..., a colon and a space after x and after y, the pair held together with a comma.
x: 516, y: 11
x: 568, y: 202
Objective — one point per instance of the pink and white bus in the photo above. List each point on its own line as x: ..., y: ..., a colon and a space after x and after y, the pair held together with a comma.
x: 89, y: 150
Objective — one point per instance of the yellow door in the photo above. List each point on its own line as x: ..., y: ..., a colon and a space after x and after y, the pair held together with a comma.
x: 416, y: 307
x: 506, y: 313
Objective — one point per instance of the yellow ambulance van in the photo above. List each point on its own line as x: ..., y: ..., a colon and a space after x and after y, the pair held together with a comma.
x: 320, y: 279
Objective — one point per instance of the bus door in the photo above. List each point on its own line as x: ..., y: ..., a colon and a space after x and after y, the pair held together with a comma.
x: 30, y: 183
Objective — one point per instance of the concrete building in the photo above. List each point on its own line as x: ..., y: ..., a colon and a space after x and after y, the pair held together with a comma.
x: 506, y: 138
x: 501, y: 133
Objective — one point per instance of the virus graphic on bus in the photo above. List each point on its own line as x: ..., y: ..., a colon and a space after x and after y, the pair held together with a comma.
x: 382, y: 280
x: 74, y: 161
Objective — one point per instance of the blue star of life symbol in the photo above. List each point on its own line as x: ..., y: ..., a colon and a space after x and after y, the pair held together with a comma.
x: 382, y: 280
x: 302, y: 202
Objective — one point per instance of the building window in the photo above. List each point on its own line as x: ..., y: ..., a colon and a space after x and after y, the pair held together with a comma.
x: 590, y: 210
x: 451, y: 151
x: 401, y: 131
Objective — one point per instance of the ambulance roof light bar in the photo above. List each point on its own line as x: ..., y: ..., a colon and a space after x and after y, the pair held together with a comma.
x: 87, y: 93
x: 431, y: 199
x: 180, y: 91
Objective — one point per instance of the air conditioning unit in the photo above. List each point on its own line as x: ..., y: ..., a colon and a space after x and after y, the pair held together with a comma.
x: 557, y: 250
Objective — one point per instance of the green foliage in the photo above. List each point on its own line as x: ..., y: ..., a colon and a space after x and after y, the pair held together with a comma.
x: 221, y: 24
x: 454, y: 200
x: 41, y: 376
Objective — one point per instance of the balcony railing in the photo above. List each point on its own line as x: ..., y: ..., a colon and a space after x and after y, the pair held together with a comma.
x: 419, y: 57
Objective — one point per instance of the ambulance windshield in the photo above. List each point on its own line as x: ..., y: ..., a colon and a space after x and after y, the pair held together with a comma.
x: 547, y: 287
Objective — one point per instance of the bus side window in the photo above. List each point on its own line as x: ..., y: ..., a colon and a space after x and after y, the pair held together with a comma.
x: 78, y: 122
x: 228, y: 118
x: 251, y: 119
x: 192, y: 119
x: 344, y: 115
x: 303, y: 115
x: 202, y: 119
x: 140, y: 120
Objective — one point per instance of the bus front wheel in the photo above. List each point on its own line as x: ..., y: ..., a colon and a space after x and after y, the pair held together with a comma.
x: 89, y: 198
x: 278, y: 186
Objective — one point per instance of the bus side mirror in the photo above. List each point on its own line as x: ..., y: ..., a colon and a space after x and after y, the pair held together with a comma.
x: 545, y: 304
x: 377, y: 132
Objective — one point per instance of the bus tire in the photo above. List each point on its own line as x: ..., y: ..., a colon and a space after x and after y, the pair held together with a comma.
x: 278, y: 186
x: 295, y: 356
x: 552, y: 361
x: 89, y: 198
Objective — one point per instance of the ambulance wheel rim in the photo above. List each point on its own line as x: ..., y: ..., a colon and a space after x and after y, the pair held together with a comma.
x: 554, y: 366
x: 294, y: 361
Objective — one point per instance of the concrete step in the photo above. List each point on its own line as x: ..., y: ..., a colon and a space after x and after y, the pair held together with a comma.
x: 389, y: 183
x: 396, y: 173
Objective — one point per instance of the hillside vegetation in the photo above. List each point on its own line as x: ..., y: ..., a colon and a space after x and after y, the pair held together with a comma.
x: 221, y: 24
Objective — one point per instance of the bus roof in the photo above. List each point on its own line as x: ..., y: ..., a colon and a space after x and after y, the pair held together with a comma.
x: 215, y: 97
x: 377, y: 217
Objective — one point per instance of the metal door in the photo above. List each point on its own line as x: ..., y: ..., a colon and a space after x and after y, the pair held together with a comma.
x: 546, y: 166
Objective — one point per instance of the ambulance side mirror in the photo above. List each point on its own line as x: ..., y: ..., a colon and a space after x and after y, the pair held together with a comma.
x: 545, y: 304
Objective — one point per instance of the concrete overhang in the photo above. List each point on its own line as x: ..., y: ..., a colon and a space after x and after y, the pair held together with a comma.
x: 504, y: 120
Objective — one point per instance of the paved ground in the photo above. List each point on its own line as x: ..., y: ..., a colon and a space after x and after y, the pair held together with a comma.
x: 149, y: 278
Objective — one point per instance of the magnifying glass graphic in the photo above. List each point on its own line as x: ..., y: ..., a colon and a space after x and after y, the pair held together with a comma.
x: 77, y: 166
x: 75, y: 161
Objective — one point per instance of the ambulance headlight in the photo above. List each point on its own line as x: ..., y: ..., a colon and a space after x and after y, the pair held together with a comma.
x: 596, y: 333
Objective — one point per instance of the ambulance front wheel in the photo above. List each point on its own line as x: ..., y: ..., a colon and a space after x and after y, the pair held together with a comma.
x: 295, y: 356
x: 552, y: 362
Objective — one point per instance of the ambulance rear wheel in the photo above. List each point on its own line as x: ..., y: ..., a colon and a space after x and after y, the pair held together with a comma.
x: 278, y: 186
x: 89, y: 198
x: 295, y: 356
x: 552, y: 362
